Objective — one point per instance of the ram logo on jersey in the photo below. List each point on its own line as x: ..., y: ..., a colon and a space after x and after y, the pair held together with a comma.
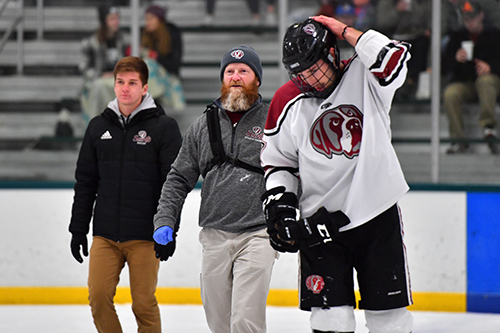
x: 338, y: 131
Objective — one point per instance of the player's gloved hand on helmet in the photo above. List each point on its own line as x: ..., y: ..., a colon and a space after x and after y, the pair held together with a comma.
x: 79, y: 239
x: 164, y: 242
x: 280, y: 209
x: 323, y: 227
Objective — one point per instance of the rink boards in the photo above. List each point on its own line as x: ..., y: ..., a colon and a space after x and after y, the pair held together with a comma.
x: 452, y: 236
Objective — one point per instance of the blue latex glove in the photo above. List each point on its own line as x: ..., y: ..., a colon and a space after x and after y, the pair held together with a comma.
x: 163, y: 235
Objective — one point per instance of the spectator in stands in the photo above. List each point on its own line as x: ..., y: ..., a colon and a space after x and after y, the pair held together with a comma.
x: 253, y: 5
x: 475, y: 76
x: 161, y: 43
x: 101, y: 52
x: 360, y: 15
x: 365, y: 15
x: 452, y: 19
x: 345, y: 13
x: 124, y: 159
x: 408, y: 20
x: 327, y: 8
x: 452, y: 14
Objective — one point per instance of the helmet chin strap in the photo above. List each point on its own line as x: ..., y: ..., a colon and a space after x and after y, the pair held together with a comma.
x: 330, y: 57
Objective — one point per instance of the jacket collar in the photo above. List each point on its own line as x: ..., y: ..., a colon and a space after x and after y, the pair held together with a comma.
x: 146, y: 104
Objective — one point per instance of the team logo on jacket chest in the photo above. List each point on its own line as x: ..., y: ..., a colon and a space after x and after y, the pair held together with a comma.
x: 255, y: 134
x: 142, y: 138
x: 338, y: 131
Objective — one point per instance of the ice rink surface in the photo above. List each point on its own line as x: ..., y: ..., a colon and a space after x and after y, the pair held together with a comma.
x: 191, y: 319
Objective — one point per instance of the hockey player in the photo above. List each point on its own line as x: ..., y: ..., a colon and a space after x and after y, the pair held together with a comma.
x: 330, y: 125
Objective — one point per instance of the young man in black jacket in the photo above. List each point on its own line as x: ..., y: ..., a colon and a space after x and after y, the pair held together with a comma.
x: 124, y: 159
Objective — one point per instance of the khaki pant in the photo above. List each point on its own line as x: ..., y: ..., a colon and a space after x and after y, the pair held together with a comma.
x: 107, y: 259
x: 235, y: 276
x: 486, y: 88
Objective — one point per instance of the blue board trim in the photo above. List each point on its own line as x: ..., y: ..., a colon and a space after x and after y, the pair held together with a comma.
x: 483, y: 252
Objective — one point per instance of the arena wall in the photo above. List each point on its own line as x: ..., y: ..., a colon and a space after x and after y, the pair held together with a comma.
x: 452, y: 240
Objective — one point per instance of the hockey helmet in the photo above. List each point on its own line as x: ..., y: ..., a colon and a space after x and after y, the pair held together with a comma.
x: 304, y: 45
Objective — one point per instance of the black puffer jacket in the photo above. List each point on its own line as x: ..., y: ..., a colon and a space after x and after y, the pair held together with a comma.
x: 122, y: 168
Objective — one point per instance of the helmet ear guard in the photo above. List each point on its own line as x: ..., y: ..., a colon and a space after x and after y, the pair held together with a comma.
x: 304, y: 45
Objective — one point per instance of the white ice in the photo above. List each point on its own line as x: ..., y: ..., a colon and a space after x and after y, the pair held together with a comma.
x: 191, y: 319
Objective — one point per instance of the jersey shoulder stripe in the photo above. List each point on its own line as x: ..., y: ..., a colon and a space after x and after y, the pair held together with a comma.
x: 390, y: 62
x: 281, y: 102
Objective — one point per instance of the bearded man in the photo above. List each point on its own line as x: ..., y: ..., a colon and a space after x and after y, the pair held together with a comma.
x: 237, y: 256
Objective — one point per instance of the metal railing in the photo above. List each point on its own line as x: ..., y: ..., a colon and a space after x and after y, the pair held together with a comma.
x: 18, y: 22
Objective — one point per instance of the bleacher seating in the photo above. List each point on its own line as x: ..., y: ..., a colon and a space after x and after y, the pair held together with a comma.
x: 30, y: 102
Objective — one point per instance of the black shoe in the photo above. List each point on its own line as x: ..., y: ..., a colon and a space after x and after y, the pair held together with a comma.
x: 458, y: 148
x: 490, y: 136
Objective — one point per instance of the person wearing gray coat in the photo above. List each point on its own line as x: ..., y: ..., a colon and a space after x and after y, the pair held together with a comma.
x: 237, y: 257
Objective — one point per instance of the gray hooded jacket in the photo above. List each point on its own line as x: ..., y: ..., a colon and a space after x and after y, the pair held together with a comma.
x: 230, y: 195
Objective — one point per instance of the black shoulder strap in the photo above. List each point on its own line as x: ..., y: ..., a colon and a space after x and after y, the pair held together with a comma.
x: 214, y: 135
x: 215, y: 138
x: 249, y: 167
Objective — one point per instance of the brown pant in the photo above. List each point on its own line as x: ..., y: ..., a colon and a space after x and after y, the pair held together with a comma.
x: 486, y: 88
x: 107, y: 259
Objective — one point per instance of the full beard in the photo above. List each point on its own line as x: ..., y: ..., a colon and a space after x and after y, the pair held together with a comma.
x: 238, y: 100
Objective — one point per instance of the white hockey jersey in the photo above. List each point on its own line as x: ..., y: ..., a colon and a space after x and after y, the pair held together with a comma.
x: 341, y: 146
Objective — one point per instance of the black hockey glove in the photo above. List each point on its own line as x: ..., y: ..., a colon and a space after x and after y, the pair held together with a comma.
x: 79, y: 240
x: 282, y: 246
x: 322, y: 227
x: 280, y: 209
x: 163, y: 252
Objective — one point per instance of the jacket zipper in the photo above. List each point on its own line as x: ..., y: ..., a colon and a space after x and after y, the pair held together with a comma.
x: 233, y: 135
x: 120, y: 180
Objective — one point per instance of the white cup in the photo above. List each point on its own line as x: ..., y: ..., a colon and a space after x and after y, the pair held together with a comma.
x: 408, y: 5
x: 468, y: 46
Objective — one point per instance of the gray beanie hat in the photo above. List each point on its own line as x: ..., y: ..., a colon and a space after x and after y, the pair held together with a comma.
x: 242, y: 54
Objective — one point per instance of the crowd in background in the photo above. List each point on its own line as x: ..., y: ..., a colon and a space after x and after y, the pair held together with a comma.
x: 411, y: 21
x: 475, y: 78
x: 407, y: 20
x: 161, y: 49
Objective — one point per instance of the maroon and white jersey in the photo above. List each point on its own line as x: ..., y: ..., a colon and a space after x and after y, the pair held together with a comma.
x: 341, y: 146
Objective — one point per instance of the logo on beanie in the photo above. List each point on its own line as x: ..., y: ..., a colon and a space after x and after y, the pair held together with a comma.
x: 315, y: 283
x: 237, y: 54
x: 309, y: 29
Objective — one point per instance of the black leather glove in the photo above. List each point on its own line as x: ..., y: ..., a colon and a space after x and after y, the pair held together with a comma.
x: 79, y: 240
x: 280, y: 209
x: 163, y: 252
